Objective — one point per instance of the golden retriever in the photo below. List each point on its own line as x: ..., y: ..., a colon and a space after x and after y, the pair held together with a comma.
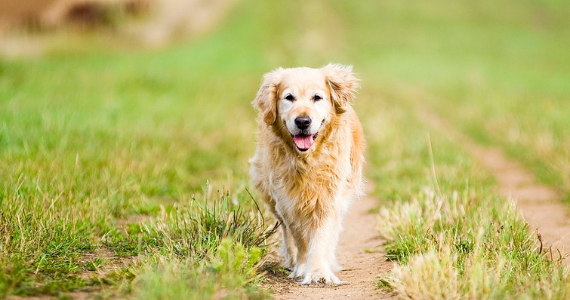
x: 308, y: 162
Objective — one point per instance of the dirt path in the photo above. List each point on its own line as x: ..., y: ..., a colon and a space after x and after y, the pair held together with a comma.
x: 360, y: 254
x: 540, y: 205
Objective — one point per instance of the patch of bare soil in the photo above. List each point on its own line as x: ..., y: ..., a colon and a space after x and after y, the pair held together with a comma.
x: 360, y: 254
x: 540, y: 204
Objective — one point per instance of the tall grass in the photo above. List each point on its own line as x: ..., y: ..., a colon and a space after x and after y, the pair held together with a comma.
x: 465, y: 247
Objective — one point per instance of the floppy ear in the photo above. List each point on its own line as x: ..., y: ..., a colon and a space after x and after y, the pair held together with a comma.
x: 342, y: 85
x: 266, y: 99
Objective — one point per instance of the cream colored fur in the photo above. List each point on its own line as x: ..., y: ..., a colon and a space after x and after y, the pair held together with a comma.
x: 309, y: 192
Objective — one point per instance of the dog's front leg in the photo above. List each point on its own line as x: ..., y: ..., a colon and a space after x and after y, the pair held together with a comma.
x: 321, y: 252
x: 288, y: 248
x: 301, y: 244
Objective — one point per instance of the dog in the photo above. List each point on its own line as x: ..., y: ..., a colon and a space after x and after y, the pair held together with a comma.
x: 308, y: 162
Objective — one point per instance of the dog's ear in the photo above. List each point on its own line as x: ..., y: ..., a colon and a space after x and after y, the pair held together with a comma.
x: 342, y: 85
x: 266, y: 99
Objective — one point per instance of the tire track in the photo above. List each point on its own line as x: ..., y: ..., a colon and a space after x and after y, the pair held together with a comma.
x: 541, y: 205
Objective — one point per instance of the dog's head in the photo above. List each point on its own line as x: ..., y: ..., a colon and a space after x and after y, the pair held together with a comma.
x: 301, y: 102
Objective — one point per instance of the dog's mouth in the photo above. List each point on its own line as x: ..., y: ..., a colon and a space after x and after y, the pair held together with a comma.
x: 304, y: 141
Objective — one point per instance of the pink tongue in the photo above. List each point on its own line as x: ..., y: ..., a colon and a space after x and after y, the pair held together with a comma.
x: 303, y: 142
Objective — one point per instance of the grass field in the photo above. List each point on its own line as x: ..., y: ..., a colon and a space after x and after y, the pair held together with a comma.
x: 124, y: 172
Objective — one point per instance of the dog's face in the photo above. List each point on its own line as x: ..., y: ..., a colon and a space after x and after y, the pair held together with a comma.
x: 302, y: 101
x: 303, y: 105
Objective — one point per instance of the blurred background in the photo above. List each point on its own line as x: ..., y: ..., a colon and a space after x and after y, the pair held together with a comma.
x: 497, y: 70
x: 33, y: 26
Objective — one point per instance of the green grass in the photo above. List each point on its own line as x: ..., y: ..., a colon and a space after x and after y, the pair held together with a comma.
x: 126, y: 171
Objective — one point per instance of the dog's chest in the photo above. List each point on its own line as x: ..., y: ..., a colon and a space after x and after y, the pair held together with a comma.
x: 300, y: 179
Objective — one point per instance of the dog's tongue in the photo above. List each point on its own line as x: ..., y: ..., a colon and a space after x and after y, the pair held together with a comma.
x: 303, y: 142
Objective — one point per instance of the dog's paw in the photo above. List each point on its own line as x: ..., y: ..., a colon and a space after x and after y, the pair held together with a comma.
x: 297, y: 271
x: 320, y: 278
x: 289, y: 256
x: 289, y: 264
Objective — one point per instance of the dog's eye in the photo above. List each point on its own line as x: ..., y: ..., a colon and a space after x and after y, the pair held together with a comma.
x: 290, y: 97
x: 317, y: 98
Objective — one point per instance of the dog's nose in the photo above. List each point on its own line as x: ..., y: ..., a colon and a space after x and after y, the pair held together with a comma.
x: 303, y: 122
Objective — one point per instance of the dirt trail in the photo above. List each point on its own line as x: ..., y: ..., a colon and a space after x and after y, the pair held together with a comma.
x: 359, y: 252
x: 540, y: 205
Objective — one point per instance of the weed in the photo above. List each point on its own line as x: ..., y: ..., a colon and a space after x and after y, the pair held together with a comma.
x: 227, y: 274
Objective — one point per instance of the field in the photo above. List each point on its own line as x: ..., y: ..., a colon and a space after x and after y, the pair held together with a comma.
x: 124, y: 172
